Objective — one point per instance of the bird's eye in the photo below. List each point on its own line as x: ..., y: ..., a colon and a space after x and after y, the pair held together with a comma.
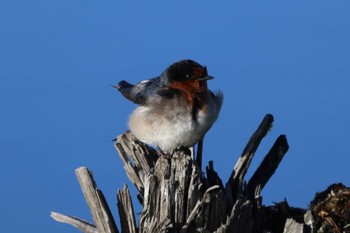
x: 188, y: 76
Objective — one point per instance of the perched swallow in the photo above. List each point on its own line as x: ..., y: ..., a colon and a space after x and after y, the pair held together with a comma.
x: 175, y: 109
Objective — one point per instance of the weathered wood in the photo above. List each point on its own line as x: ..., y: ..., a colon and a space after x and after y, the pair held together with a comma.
x: 197, y: 210
x: 126, y: 211
x: 176, y: 196
x: 232, y: 219
x: 309, y: 221
x: 82, y: 225
x: 199, y: 156
x: 168, y: 181
x: 234, y: 183
x: 137, y: 157
x: 267, y: 167
x: 196, y: 189
x: 165, y: 191
x: 293, y: 226
x: 99, y: 209
x: 212, y: 175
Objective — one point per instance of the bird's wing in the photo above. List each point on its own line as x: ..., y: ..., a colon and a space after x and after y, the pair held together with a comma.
x: 142, y: 91
x: 218, y: 98
x: 134, y: 93
x: 168, y: 92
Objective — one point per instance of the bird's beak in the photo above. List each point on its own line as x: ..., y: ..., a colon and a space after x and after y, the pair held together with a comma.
x: 207, y: 77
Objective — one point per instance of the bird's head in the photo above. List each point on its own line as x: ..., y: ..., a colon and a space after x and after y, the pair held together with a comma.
x: 187, y: 74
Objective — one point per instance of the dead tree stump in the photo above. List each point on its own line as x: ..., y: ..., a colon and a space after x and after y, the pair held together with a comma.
x: 177, y: 196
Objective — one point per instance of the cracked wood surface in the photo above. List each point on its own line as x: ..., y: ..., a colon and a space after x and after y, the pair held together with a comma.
x: 176, y: 195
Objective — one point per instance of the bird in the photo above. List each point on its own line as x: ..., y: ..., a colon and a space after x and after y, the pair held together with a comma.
x: 175, y: 109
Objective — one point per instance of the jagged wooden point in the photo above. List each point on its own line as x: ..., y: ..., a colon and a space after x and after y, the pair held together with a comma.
x: 177, y: 196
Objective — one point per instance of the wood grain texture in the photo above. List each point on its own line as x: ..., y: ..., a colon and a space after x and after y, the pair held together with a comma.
x: 177, y: 196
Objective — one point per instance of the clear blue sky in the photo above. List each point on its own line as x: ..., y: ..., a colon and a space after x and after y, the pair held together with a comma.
x: 58, y: 111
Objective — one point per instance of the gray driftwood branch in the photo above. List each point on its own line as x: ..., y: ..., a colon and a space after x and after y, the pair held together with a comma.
x: 177, y: 196
x: 101, y: 214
